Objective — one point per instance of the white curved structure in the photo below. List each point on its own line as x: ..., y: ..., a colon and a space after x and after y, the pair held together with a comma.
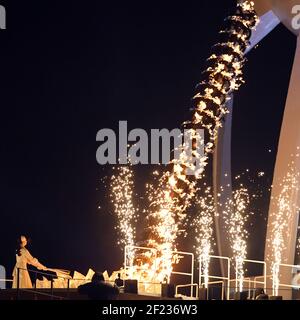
x: 271, y: 13
x: 289, y: 143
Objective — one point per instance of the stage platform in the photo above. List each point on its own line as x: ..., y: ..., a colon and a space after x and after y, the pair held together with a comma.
x: 64, y: 294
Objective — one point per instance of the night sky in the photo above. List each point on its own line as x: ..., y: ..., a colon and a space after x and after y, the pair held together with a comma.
x: 69, y: 70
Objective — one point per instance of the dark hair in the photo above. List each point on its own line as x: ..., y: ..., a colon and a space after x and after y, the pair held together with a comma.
x: 19, y: 245
x: 98, y: 276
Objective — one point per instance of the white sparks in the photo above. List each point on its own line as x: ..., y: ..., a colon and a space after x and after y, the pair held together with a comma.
x: 122, y: 199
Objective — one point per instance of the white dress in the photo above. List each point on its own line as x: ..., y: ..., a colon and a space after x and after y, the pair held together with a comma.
x: 21, y: 262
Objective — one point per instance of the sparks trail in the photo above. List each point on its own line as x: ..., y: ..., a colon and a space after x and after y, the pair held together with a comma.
x: 236, y: 213
x: 178, y: 186
x: 203, y: 225
x: 282, y: 216
x: 236, y: 216
x: 122, y: 199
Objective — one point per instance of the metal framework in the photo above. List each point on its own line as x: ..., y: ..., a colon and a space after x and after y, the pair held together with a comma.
x: 190, y: 274
x: 220, y: 279
x: 271, y: 13
x: 129, y: 247
x: 254, y: 281
x: 285, y: 285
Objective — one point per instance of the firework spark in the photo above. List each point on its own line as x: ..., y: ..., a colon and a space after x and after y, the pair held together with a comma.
x: 122, y: 199
x: 222, y: 76
x: 177, y: 187
x: 285, y: 207
x: 163, y: 226
x: 236, y: 217
x: 203, y: 225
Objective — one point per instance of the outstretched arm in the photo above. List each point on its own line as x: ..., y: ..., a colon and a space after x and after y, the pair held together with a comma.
x: 33, y: 261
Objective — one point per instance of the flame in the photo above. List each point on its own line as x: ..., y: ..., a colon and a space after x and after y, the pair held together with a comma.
x: 177, y: 188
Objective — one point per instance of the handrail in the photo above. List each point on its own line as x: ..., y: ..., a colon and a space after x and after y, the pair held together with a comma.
x: 275, y: 290
x: 216, y: 282
x: 188, y: 285
x: 264, y: 264
x: 126, y: 267
x: 247, y: 279
x: 51, y: 281
x: 154, y: 252
x: 260, y: 282
x: 214, y: 276
x: 6, y: 280
x: 189, y: 274
x: 51, y: 275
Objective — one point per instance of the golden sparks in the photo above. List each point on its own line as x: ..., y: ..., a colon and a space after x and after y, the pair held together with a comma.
x: 177, y: 187
x: 122, y: 199
x: 285, y: 206
x: 203, y: 226
x: 236, y: 216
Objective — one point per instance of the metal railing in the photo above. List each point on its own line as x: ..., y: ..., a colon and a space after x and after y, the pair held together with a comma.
x: 129, y: 248
x: 189, y: 274
x: 52, y: 277
x: 264, y: 276
x: 285, y: 285
x: 222, y: 287
x: 186, y: 286
x: 260, y: 282
x: 235, y: 287
x: 5, y: 281
x: 252, y: 280
x: 219, y: 278
x: 128, y: 266
x: 223, y: 279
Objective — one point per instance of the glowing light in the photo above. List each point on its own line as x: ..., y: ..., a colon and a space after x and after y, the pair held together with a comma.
x: 283, y: 213
x: 236, y: 217
x: 122, y: 199
x: 222, y: 76
x: 203, y: 225
x: 176, y: 188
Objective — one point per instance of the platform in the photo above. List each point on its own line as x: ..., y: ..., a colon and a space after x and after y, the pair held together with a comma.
x: 64, y: 294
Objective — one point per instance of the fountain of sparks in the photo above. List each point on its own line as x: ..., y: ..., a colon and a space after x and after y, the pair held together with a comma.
x: 236, y: 215
x: 177, y: 188
x: 203, y: 225
x: 122, y: 199
x: 282, y: 218
x: 163, y: 227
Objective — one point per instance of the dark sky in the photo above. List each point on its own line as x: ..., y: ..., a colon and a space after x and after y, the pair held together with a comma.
x: 69, y: 70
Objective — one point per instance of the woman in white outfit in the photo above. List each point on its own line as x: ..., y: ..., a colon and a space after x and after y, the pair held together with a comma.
x: 23, y: 257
